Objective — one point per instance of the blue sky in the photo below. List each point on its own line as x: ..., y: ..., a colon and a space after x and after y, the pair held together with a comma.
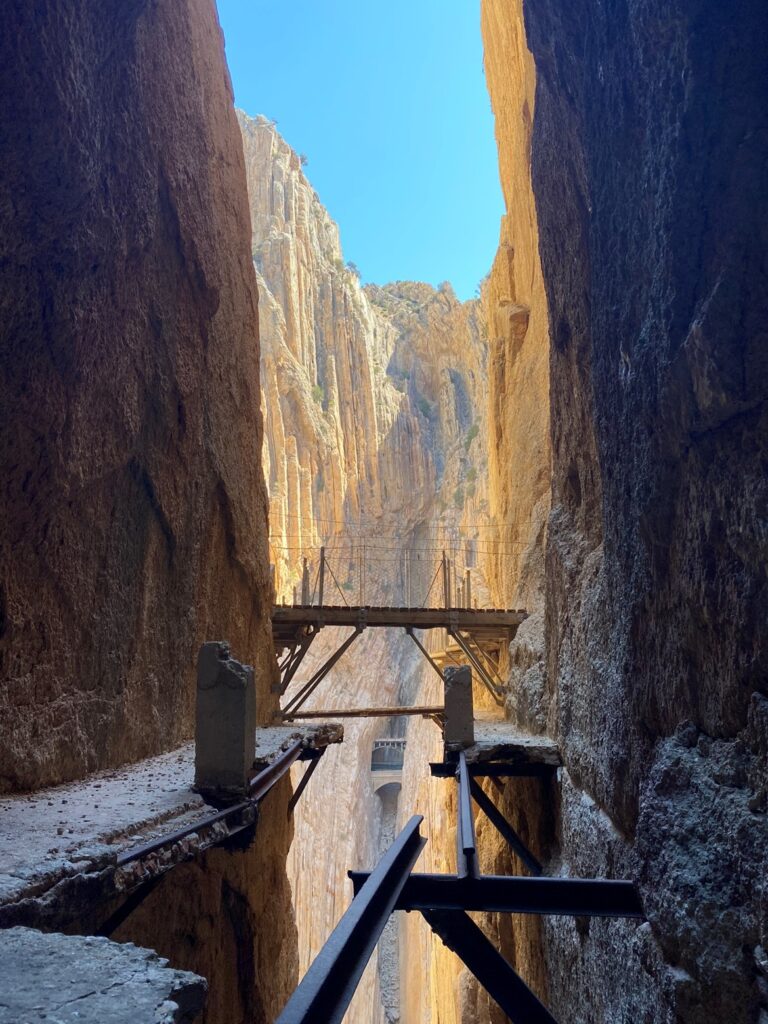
x: 387, y: 99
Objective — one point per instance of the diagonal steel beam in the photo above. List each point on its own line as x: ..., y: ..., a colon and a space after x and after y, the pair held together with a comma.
x: 328, y: 986
x: 502, y: 825
x: 484, y: 657
x: 290, y: 665
x: 127, y: 907
x: 576, y: 897
x: 304, y: 780
x: 424, y: 651
x: 466, y: 849
x: 311, y: 685
x: 493, y: 689
x: 504, y: 985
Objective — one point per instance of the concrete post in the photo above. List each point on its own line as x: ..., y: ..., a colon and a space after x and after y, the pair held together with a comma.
x: 459, y: 728
x: 225, y: 732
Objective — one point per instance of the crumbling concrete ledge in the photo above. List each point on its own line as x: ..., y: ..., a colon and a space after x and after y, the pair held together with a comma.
x: 72, y: 978
x: 59, y: 847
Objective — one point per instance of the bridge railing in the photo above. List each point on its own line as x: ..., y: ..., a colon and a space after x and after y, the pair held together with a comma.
x: 377, y: 575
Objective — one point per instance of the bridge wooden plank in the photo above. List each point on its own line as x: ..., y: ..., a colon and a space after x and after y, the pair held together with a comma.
x: 418, y: 618
x: 385, y: 712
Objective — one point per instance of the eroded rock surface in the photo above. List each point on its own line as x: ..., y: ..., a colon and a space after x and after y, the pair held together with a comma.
x: 649, y: 164
x: 133, y: 523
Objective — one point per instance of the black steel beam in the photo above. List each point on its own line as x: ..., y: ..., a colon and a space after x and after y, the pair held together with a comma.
x: 328, y: 986
x: 466, y: 851
x: 127, y: 907
x: 493, y: 769
x: 576, y: 897
x: 311, y: 685
x: 504, y: 985
x: 501, y: 824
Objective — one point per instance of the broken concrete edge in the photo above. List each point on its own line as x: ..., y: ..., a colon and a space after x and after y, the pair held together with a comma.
x: 90, y: 980
x: 53, y: 898
x: 272, y: 741
x: 503, y: 741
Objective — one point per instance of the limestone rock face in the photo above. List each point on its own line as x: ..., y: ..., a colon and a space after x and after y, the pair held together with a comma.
x: 648, y: 159
x: 133, y: 523
x: 518, y: 327
x: 368, y: 392
x: 519, y: 449
x: 374, y: 406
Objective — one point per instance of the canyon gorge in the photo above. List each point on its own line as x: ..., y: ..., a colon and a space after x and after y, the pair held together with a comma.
x: 199, y: 394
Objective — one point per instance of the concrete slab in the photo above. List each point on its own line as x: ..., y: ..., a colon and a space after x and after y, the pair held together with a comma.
x: 80, y: 828
x: 72, y: 979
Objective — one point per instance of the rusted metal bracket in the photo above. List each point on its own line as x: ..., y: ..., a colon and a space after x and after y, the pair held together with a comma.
x: 311, y: 685
x: 424, y: 651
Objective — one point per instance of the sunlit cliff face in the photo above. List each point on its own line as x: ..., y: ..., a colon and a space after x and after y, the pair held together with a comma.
x: 374, y: 412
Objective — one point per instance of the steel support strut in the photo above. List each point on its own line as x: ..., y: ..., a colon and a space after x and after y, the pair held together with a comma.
x: 502, y: 825
x: 515, y: 894
x: 504, y: 985
x: 291, y: 663
x: 311, y: 685
x: 424, y: 651
x: 328, y: 986
x: 315, y: 761
x: 495, y: 691
x: 466, y: 851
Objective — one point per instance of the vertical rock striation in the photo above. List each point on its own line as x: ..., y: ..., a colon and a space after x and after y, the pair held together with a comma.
x: 519, y: 448
x: 133, y: 524
x: 375, y: 423
x: 649, y: 158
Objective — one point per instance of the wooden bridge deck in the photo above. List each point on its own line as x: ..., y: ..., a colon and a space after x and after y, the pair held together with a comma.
x: 290, y: 620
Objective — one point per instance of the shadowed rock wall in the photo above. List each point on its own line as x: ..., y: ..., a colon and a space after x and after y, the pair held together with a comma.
x: 133, y: 524
x: 649, y: 168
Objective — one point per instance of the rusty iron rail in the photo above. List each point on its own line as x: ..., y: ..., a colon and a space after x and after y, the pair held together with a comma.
x: 258, y: 789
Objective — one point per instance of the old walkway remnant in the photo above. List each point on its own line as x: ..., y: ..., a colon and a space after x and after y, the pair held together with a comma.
x: 472, y: 636
x: 117, y: 833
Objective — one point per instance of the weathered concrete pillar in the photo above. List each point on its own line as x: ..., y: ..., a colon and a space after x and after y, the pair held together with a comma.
x: 459, y: 711
x: 225, y: 732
